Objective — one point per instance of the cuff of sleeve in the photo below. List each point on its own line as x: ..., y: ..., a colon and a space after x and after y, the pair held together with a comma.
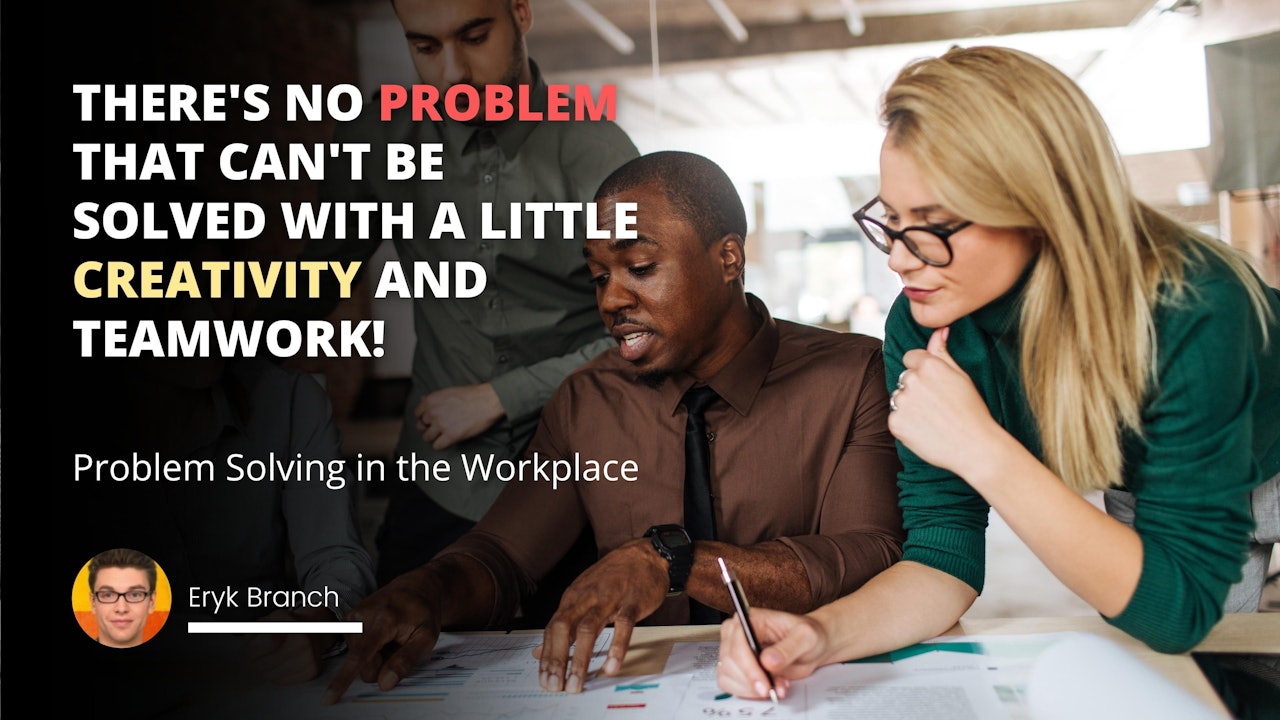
x: 1162, y: 614
x: 823, y: 564
x: 512, y: 389
x: 959, y: 552
x: 836, y: 565
x: 348, y: 598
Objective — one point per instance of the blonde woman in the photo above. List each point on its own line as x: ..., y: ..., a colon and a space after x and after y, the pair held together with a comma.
x: 1054, y: 336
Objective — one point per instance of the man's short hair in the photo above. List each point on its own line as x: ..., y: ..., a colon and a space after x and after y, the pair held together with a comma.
x: 696, y: 187
x: 122, y: 558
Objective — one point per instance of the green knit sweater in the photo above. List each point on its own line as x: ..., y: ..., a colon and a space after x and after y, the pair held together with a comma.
x: 1211, y: 427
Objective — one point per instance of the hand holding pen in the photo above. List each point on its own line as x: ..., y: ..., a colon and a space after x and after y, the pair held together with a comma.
x: 743, y: 610
x: 761, y: 651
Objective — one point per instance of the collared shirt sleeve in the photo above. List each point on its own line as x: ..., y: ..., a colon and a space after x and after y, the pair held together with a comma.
x: 524, y: 390
x: 320, y: 516
x: 859, y: 529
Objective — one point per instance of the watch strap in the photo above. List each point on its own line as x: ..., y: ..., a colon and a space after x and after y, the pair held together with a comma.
x: 679, y: 558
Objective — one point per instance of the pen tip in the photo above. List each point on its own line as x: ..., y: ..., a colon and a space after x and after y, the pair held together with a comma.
x: 774, y: 695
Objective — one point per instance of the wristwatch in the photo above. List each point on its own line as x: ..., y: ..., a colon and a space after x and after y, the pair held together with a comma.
x: 673, y: 543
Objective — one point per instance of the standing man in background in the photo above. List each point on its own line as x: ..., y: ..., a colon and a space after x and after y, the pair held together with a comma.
x: 482, y: 367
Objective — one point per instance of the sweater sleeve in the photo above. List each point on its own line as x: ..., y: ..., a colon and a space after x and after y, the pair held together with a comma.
x: 1193, y: 469
x: 944, y: 517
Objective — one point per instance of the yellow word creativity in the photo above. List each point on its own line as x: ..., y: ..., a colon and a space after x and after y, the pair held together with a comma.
x: 211, y: 278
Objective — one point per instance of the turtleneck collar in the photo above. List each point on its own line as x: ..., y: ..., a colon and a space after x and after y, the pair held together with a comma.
x: 1001, y: 316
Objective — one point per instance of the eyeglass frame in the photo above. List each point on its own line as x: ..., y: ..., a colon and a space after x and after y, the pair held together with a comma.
x: 146, y: 594
x: 944, y: 234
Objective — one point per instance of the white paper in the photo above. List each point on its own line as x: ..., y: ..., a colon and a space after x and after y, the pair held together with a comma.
x: 1091, y: 677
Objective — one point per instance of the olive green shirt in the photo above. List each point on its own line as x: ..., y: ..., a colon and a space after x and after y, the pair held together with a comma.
x: 536, y: 319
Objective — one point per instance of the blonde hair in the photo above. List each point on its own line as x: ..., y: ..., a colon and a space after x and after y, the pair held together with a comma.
x: 1007, y: 140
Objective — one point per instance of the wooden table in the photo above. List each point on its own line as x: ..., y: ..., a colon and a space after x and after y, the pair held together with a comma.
x: 1243, y: 633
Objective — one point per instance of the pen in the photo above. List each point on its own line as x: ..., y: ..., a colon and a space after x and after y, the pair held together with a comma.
x: 740, y: 605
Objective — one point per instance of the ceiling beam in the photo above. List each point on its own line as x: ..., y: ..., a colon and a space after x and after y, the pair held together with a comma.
x: 586, y: 51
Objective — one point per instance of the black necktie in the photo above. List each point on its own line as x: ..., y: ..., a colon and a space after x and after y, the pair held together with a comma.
x: 699, y: 514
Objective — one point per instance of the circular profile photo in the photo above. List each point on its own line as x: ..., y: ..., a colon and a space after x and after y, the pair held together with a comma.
x: 121, y: 598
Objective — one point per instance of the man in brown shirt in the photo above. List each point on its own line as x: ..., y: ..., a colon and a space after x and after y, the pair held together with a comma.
x: 803, y: 467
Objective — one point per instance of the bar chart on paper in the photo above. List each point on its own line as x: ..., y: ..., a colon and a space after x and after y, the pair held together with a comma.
x: 496, y: 677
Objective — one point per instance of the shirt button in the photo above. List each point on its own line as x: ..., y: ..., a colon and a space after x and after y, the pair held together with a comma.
x: 484, y: 246
x: 494, y: 302
x: 488, y: 177
x: 503, y: 359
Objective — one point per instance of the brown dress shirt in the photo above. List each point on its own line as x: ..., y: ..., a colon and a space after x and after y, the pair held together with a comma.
x: 801, y: 453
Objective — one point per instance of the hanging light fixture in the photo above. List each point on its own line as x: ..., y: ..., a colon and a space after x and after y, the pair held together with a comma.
x: 732, y: 24
x: 853, y: 17
x: 611, y: 33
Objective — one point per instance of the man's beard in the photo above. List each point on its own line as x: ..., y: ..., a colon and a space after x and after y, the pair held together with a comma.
x: 510, y: 78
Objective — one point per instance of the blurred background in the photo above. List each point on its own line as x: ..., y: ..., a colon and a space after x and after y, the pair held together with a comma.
x: 784, y: 95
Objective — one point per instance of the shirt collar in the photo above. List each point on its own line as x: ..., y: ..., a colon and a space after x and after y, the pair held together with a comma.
x: 509, y: 134
x: 739, y: 381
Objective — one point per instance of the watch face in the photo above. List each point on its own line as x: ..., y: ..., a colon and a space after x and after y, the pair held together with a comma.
x: 673, y: 538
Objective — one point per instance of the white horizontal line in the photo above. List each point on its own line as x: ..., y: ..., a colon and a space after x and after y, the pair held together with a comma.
x: 283, y: 628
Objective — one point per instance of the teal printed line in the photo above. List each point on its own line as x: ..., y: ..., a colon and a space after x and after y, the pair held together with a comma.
x: 636, y: 687
x: 1011, y: 648
x: 971, y: 648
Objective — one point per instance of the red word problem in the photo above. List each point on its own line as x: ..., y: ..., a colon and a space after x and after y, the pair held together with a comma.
x: 495, y: 103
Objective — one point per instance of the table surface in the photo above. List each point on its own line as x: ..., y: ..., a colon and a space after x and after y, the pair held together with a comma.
x: 1242, y: 633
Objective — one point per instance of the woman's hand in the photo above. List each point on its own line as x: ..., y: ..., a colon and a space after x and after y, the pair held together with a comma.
x: 937, y: 412
x: 794, y: 646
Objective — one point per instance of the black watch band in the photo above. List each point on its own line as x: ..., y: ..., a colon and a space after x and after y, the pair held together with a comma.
x: 673, y: 543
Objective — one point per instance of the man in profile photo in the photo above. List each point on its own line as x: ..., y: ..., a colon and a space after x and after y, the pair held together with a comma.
x: 122, y: 589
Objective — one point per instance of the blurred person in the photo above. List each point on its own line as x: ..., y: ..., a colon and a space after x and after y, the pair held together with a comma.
x: 482, y: 367
x: 272, y: 506
x: 867, y: 318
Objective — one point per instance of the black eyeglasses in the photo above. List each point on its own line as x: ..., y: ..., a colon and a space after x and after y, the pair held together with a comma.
x: 133, y: 597
x: 930, y: 243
